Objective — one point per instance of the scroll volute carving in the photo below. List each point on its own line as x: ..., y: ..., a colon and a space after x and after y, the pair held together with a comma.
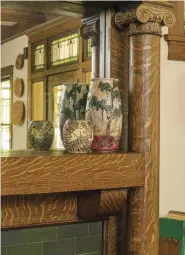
x: 91, y: 29
x: 156, y: 12
x: 97, y: 203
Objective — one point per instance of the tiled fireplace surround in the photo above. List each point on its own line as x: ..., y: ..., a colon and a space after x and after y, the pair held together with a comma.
x: 73, y: 239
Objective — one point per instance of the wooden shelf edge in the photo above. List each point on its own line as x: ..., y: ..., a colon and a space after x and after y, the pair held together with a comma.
x: 176, y: 47
x: 50, y: 173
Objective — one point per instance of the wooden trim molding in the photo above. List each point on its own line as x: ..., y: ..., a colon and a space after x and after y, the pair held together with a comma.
x: 176, y: 36
x: 7, y: 71
x: 36, y: 173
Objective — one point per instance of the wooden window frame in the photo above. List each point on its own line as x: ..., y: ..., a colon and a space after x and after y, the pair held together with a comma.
x: 176, y: 36
x: 82, y: 64
x: 7, y: 72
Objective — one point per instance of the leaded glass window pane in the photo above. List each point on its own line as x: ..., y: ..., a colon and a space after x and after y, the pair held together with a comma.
x: 89, y: 49
x: 6, y: 101
x: 39, y: 57
x: 65, y: 50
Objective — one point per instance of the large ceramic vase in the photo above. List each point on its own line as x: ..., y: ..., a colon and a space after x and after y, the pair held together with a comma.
x: 73, y: 103
x: 77, y: 136
x: 40, y: 134
x: 104, y: 111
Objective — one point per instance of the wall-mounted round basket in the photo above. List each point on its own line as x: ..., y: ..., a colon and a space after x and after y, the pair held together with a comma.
x: 18, y: 87
x: 18, y: 113
x: 19, y: 63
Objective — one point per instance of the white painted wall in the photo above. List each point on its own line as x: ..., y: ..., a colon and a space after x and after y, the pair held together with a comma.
x: 9, y: 52
x: 172, y: 132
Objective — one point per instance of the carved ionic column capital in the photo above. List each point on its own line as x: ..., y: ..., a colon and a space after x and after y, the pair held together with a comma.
x: 91, y: 29
x: 150, y: 15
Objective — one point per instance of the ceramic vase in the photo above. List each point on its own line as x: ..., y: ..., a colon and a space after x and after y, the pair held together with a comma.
x: 77, y: 136
x: 40, y: 134
x: 104, y: 112
x: 73, y: 103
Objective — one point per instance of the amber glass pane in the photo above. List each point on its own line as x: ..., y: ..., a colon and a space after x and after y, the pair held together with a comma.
x: 38, y: 100
x: 87, y: 77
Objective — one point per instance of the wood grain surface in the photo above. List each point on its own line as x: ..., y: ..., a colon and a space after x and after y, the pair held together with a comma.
x: 57, y: 172
x: 144, y: 115
x: 43, y: 209
x: 119, y: 68
x: 101, y: 203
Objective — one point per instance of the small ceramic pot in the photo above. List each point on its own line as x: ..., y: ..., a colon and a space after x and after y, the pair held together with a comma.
x: 40, y: 134
x: 77, y: 136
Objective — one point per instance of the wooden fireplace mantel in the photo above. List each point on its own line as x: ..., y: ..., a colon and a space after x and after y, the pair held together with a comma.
x: 29, y: 172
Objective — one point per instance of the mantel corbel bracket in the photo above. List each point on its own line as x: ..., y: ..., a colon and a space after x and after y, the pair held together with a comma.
x: 147, y: 17
x: 91, y: 204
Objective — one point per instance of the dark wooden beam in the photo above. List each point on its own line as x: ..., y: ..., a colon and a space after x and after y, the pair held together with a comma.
x: 25, y: 16
x: 44, y: 7
x: 6, y: 32
x: 21, y: 16
x: 9, y: 31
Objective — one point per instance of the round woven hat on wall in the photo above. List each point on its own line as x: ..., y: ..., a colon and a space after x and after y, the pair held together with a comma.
x: 18, y: 87
x: 18, y: 113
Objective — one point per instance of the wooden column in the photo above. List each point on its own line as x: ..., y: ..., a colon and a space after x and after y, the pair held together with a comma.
x: 91, y: 29
x: 144, y: 24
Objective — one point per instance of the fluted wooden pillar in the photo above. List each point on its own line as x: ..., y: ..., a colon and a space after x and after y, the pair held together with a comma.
x: 144, y: 24
x: 91, y: 29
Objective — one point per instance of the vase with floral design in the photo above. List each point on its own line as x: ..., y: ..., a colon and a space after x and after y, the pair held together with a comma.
x: 73, y: 103
x: 40, y: 134
x: 104, y: 112
x: 77, y: 136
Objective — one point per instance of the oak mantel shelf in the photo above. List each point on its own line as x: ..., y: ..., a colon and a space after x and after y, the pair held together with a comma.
x: 28, y: 172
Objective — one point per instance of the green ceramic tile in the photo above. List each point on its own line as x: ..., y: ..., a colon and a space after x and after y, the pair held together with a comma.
x: 95, y: 228
x: 73, y: 230
x: 39, y: 234
x: 11, y: 237
x: 62, y: 247
x: 3, y: 250
x: 25, y: 249
x: 88, y: 244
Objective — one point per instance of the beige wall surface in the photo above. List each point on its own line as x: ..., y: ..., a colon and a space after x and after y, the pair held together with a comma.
x: 172, y: 133
x: 9, y: 52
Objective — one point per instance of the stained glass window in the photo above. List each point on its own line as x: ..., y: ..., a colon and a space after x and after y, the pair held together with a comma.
x: 89, y: 49
x: 65, y: 50
x: 6, y: 105
x: 39, y: 57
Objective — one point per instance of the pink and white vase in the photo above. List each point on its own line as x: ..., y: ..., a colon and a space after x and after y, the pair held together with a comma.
x: 104, y: 112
